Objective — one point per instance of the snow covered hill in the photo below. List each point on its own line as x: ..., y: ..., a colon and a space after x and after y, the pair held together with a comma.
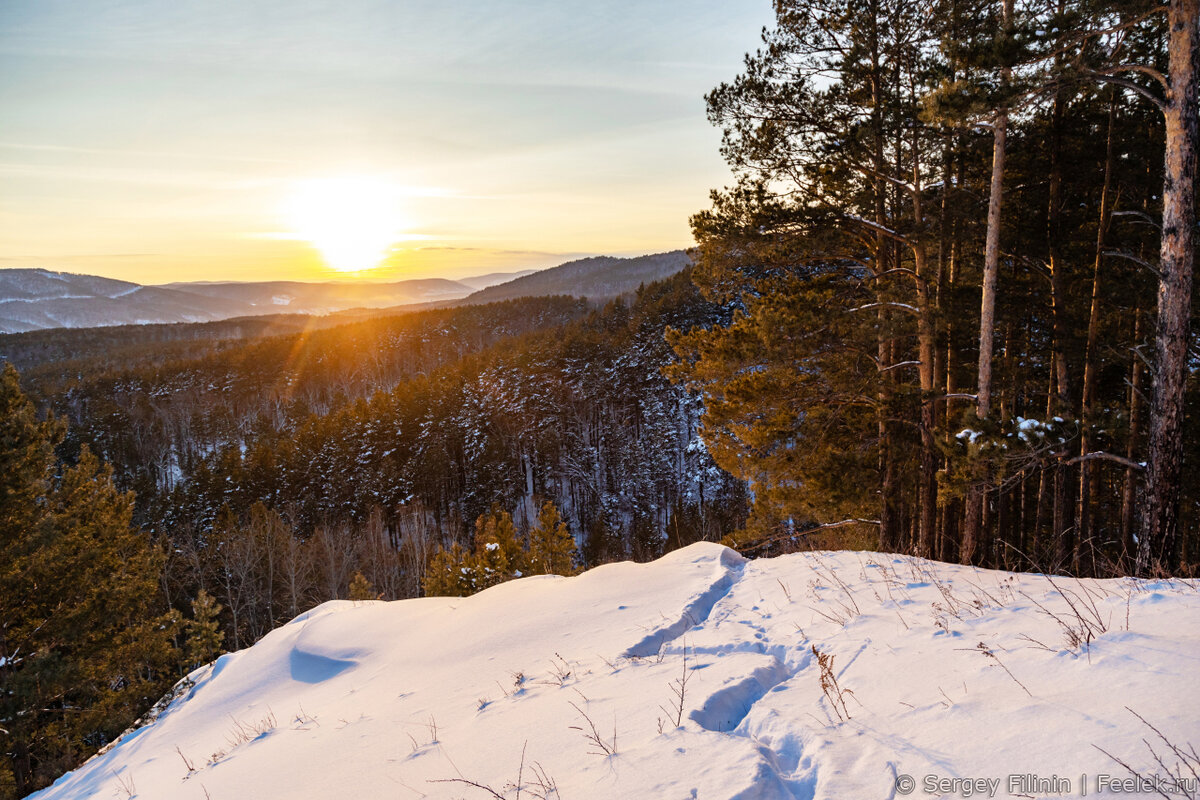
x: 36, y: 299
x: 572, y: 688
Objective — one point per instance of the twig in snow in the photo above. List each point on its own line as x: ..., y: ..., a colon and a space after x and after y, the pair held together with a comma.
x: 592, y: 735
x: 987, y: 652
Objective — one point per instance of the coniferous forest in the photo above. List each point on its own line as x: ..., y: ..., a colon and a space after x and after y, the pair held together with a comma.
x: 944, y: 309
x: 961, y: 251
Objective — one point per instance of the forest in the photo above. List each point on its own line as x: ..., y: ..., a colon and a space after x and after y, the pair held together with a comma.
x: 961, y: 246
x: 944, y: 309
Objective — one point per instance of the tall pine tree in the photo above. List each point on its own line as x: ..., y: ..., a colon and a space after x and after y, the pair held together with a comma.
x: 84, y: 647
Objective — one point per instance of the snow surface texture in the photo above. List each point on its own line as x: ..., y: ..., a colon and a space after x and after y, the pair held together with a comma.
x: 945, y: 671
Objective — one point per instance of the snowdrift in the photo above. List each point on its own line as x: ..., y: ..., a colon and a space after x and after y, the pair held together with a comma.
x: 573, y: 687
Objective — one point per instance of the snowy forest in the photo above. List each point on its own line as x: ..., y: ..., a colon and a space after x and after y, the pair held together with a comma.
x: 944, y: 310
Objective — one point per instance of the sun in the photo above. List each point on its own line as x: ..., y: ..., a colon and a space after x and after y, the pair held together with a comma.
x: 352, y: 220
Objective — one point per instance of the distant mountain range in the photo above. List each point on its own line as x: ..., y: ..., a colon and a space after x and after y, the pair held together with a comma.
x: 37, y: 299
x: 34, y: 299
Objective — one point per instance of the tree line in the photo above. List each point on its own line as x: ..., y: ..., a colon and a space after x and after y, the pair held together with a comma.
x: 960, y: 245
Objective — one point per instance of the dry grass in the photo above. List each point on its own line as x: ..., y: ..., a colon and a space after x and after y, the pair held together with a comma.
x: 539, y: 787
x: 603, y: 746
x: 679, y: 689
x: 1178, y: 765
x: 834, y: 693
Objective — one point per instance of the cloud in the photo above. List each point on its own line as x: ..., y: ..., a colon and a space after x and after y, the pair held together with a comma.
x: 60, y: 148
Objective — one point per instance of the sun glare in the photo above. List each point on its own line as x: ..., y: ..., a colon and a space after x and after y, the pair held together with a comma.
x: 351, y: 220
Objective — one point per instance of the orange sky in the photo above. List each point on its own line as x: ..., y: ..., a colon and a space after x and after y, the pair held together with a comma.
x: 157, y: 142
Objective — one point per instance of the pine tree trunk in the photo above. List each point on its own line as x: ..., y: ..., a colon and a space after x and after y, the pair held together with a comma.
x: 1084, y: 539
x: 973, y: 523
x: 948, y: 540
x: 927, y: 355
x: 22, y: 767
x: 1159, y: 543
x: 926, y: 333
x: 1058, y: 402
x: 1129, y: 492
x: 1061, y: 400
x: 889, y: 522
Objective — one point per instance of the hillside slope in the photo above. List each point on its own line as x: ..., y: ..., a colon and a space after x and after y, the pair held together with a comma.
x: 599, y: 277
x: 38, y: 299
x: 944, y: 671
x: 298, y: 297
x: 492, y: 278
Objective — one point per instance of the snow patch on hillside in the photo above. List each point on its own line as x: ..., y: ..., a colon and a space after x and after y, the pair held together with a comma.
x: 943, y: 671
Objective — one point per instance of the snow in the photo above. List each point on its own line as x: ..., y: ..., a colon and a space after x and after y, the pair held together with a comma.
x: 1030, y: 429
x: 953, y: 676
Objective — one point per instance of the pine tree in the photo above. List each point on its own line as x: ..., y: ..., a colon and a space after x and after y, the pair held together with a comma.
x: 551, y: 546
x: 204, y: 634
x: 448, y: 574
x: 83, y: 649
x: 361, y: 588
x: 1158, y: 548
x: 499, y: 556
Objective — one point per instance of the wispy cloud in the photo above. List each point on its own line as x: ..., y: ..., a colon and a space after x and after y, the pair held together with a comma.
x: 109, y: 151
x: 142, y: 177
x: 42, y: 259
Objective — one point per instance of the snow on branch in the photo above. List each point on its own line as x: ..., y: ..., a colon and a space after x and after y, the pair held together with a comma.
x: 1102, y: 456
x: 875, y: 226
x: 903, y: 306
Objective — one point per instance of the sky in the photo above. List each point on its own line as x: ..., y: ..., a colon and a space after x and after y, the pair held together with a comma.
x: 293, y: 139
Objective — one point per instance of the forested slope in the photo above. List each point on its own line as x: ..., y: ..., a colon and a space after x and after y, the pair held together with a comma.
x: 297, y: 460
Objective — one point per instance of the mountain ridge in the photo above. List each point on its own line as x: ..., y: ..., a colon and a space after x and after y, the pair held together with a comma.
x: 39, y: 299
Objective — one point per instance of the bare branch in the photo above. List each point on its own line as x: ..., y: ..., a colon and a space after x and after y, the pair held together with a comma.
x: 903, y: 306
x: 1142, y: 215
x: 1102, y: 456
x: 1141, y: 262
x: 898, y: 271
x: 875, y: 226
x: 480, y: 786
x: 1140, y: 68
x: 1130, y: 85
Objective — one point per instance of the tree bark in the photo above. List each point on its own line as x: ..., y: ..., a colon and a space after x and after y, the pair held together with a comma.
x: 1129, y: 491
x: 1158, y: 547
x: 1084, y: 544
x: 973, y: 523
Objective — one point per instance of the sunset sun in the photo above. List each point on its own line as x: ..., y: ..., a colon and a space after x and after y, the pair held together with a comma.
x: 351, y: 220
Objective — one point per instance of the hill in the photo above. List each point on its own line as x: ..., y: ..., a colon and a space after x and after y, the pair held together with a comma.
x: 492, y: 278
x: 322, y: 298
x: 702, y: 675
x: 37, y: 299
x: 597, y: 278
